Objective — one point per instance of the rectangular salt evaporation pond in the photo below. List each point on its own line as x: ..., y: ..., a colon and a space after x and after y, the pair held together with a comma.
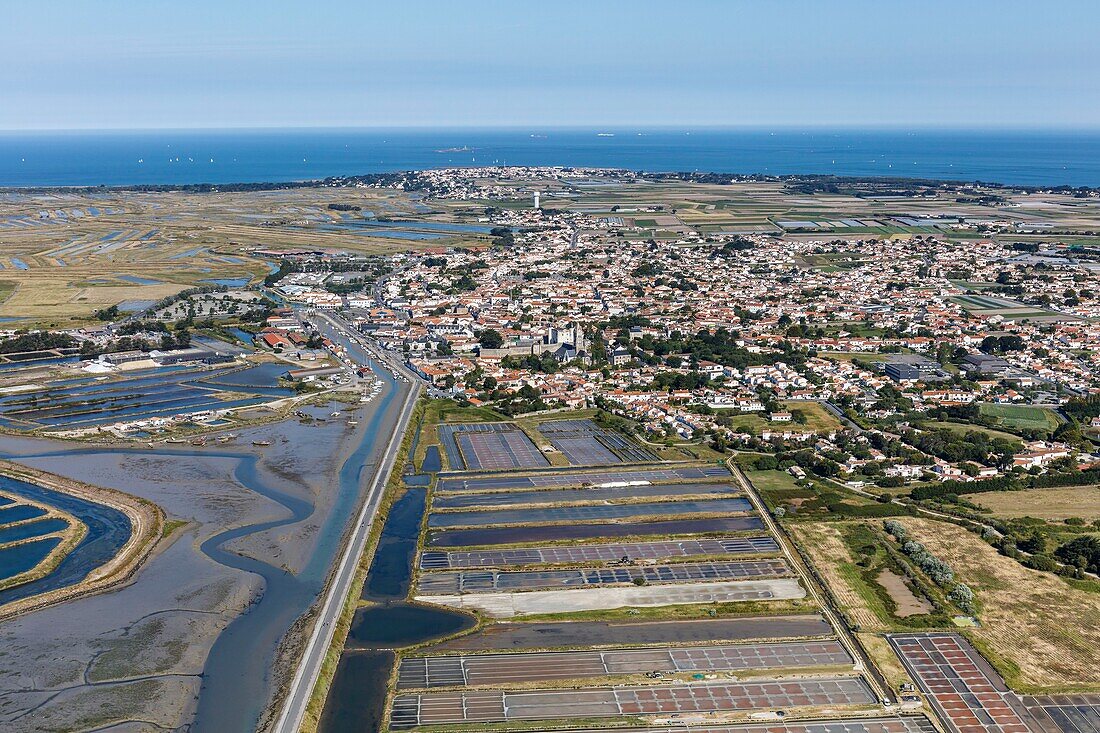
x: 18, y: 532
x: 18, y: 559
x: 583, y: 442
x: 498, y: 669
x: 587, y: 513
x: 488, y: 537
x: 443, y: 708
x: 585, y: 451
x: 489, y: 581
x: 551, y: 479
x: 534, y: 635
x: 432, y: 462
x: 511, y: 498
x: 499, y: 450
x: 568, y: 554
x: 20, y: 512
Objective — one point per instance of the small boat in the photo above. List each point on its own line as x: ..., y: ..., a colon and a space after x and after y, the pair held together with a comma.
x: 199, y: 442
x: 261, y: 442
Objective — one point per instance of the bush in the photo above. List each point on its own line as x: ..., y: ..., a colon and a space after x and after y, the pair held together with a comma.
x: 1041, y: 562
x: 963, y: 597
x: 895, y: 528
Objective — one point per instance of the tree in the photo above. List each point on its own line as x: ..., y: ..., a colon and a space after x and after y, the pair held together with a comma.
x: 1081, y: 552
x: 490, y: 339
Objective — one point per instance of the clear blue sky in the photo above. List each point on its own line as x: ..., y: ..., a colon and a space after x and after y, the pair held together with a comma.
x: 232, y: 63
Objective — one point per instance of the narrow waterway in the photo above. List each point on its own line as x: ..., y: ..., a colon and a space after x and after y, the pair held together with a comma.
x: 236, y: 682
x: 237, y: 676
x: 356, y: 701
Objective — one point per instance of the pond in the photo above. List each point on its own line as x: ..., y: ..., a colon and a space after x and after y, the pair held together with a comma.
x: 432, y: 463
x: 108, y: 530
x: 357, y: 698
x: 908, y: 603
x: 31, y: 529
x: 21, y: 558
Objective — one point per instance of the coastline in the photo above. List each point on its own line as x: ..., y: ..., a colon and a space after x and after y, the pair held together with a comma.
x: 241, y: 158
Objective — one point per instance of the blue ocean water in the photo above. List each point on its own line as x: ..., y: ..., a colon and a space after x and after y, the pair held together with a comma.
x: 1043, y: 158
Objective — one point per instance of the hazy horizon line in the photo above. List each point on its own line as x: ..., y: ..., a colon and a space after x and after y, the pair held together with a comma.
x: 616, y: 127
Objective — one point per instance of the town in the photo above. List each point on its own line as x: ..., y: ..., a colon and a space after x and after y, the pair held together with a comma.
x: 752, y: 448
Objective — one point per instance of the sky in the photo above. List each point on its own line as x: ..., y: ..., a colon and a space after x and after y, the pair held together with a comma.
x: 96, y: 64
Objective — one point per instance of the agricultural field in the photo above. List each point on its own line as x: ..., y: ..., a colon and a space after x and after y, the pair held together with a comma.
x: 1041, y: 633
x: 66, y: 255
x: 964, y: 428
x: 1021, y: 417
x: 1049, y: 504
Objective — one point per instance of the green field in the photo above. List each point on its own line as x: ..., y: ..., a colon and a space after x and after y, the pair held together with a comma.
x: 1021, y: 417
x: 822, y: 500
x: 964, y: 428
x: 818, y: 419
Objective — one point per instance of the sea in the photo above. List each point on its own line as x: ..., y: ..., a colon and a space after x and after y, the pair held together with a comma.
x: 120, y: 158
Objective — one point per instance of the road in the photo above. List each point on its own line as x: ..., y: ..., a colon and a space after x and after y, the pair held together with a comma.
x: 309, y: 668
x: 794, y: 557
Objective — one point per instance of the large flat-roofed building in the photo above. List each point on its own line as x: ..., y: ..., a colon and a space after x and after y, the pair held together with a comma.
x: 903, y: 372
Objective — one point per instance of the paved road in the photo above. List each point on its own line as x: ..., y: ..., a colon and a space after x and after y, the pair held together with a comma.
x: 309, y: 668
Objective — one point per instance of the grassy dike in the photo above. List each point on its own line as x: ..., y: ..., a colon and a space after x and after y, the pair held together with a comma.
x: 394, y: 488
